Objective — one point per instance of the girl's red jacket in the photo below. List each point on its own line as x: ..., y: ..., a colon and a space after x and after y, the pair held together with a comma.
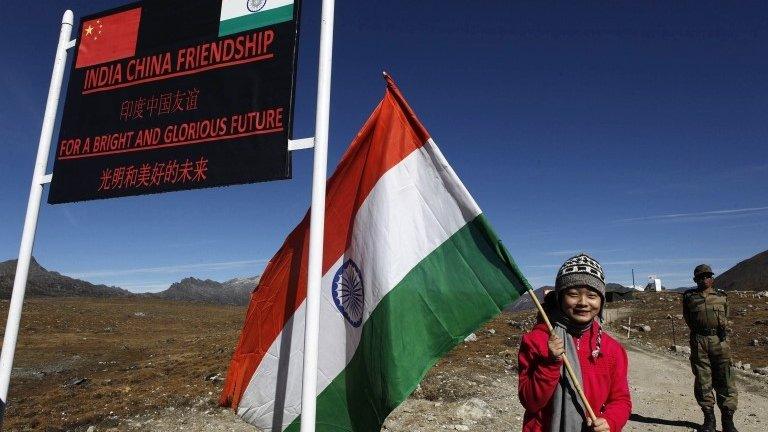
x: 604, y: 379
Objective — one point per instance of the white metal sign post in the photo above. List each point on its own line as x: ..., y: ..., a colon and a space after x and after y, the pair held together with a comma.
x: 317, y: 221
x: 39, y: 178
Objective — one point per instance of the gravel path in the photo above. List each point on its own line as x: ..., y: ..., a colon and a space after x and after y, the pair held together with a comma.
x: 662, y: 394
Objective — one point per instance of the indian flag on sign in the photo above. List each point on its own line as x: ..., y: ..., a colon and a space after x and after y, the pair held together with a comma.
x: 411, y: 266
x: 241, y: 15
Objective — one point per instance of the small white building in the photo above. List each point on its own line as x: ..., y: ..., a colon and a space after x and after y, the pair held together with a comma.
x: 654, y: 283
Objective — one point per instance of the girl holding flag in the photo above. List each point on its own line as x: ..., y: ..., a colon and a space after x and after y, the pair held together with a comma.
x: 600, y: 362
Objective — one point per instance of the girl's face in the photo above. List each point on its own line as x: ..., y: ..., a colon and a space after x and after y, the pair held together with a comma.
x: 580, y: 304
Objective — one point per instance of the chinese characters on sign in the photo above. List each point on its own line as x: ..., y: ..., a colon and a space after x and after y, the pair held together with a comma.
x: 177, y: 95
x: 147, y: 175
x: 157, y: 105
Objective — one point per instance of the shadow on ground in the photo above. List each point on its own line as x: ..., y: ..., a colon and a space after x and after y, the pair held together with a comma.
x: 643, y: 419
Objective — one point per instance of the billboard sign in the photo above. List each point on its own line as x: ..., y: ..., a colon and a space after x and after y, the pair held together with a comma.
x: 174, y: 95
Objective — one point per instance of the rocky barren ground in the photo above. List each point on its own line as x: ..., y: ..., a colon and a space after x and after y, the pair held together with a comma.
x: 154, y: 365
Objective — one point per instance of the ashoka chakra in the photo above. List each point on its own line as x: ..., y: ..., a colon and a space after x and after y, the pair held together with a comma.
x: 347, y: 292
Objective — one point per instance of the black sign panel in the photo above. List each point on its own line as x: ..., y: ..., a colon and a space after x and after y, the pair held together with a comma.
x: 178, y: 94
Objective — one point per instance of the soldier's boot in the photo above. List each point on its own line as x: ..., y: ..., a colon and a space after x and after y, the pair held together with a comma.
x: 728, y: 425
x: 710, y: 423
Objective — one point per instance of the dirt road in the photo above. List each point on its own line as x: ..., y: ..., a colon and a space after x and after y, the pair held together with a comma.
x: 484, y: 398
x: 662, y: 395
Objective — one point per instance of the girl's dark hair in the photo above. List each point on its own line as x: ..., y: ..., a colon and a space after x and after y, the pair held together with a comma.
x: 550, y: 305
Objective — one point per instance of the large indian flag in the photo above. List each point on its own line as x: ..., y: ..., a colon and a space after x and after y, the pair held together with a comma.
x: 241, y: 15
x: 410, y: 268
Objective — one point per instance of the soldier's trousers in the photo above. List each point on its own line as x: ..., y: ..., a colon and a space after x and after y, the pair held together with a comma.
x: 711, y: 365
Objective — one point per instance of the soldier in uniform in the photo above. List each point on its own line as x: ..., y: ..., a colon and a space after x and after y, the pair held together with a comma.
x: 706, y: 313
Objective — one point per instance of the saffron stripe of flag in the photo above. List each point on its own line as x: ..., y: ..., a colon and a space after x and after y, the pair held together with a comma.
x: 411, y: 266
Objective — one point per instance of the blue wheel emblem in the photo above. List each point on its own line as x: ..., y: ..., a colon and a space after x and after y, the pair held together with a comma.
x: 347, y: 292
x: 255, y: 5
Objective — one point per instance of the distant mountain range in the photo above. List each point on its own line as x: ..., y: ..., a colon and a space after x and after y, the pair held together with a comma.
x: 525, y: 302
x: 45, y: 283
x: 232, y: 292
x: 748, y: 275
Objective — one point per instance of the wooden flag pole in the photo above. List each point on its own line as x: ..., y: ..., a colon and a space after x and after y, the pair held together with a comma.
x: 566, y: 362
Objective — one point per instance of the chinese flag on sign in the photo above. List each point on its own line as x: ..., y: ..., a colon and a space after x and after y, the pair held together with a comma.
x: 108, y: 38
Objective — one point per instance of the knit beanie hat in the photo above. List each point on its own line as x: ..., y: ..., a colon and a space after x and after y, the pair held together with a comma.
x: 581, y: 270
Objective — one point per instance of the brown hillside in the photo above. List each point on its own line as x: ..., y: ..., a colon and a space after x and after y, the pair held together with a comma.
x: 748, y: 275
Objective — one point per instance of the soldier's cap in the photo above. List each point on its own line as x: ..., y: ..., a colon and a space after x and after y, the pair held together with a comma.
x: 702, y: 269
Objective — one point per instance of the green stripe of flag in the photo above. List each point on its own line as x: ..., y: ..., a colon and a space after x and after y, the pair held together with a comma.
x: 463, y: 283
x: 256, y: 20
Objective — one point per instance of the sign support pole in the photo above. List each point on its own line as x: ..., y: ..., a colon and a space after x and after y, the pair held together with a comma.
x: 39, y: 178
x: 317, y: 221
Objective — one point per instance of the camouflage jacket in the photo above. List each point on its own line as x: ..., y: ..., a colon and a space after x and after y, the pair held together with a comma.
x: 704, y: 312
